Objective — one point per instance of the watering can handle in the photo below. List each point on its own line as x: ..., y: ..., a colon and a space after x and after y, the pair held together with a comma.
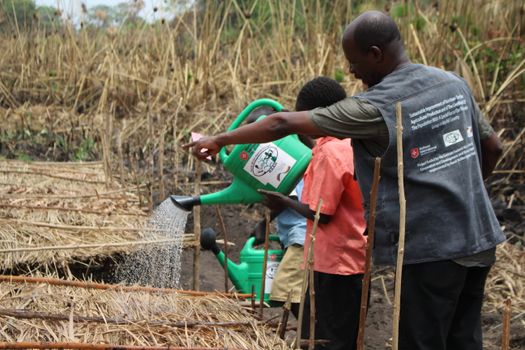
x: 245, y: 113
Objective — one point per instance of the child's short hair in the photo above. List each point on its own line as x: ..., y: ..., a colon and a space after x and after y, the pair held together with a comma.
x: 319, y: 92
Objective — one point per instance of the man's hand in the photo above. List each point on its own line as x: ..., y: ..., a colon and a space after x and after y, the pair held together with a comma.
x: 204, y: 147
x: 276, y: 201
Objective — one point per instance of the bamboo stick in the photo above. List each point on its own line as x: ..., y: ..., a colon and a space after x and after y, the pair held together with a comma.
x: 402, y: 216
x: 162, y: 190
x: 151, y: 155
x: 98, y: 195
x: 311, y: 343
x: 265, y: 263
x: 120, y: 153
x: 305, y: 282
x: 197, y: 228
x: 252, y: 299
x: 418, y: 44
x: 31, y: 314
x: 106, y: 146
x: 505, y: 337
x: 39, y: 173
x: 78, y: 210
x: 187, y: 239
x: 368, y: 261
x: 281, y: 330
x: 77, y: 228
x: 103, y: 286
x: 85, y: 346
x: 225, y: 250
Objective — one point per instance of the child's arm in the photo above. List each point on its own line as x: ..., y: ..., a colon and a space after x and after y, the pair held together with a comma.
x: 280, y: 200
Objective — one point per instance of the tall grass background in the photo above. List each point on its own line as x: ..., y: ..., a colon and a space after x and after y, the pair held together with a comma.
x: 130, y: 95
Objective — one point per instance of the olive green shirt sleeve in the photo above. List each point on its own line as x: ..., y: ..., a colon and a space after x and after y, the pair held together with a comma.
x: 360, y: 120
x: 352, y: 118
x: 356, y: 119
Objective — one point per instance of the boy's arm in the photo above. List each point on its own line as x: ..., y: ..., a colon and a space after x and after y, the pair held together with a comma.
x: 278, y: 199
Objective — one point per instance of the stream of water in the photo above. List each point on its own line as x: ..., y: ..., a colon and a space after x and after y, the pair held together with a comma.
x: 158, y: 265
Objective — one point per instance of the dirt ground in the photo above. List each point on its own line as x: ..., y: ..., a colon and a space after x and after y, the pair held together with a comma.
x: 240, y: 219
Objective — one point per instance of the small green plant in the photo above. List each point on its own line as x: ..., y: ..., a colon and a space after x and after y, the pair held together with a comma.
x: 24, y: 157
x: 86, y: 149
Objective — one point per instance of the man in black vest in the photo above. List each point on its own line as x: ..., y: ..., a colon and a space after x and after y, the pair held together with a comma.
x: 451, y: 229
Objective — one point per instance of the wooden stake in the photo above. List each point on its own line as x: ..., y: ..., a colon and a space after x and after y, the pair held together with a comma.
x: 84, y: 346
x: 186, y: 239
x: 368, y: 261
x: 197, y: 228
x: 225, y: 250
x: 402, y: 216
x: 505, y: 337
x: 252, y: 301
x: 265, y: 263
x: 103, y: 286
x: 162, y: 190
x: 122, y: 167
x: 286, y: 312
x: 175, y: 150
x: 307, y: 268
x: 31, y: 314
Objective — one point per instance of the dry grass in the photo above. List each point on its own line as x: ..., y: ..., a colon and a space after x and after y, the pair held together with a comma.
x: 53, y: 214
x: 507, y: 280
x: 43, y: 312
x: 127, y: 88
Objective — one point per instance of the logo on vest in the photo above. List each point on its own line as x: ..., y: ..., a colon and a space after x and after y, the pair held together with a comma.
x: 414, y: 152
x: 451, y: 138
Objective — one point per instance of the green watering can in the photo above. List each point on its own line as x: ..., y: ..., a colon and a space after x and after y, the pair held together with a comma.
x: 248, y: 273
x: 274, y: 166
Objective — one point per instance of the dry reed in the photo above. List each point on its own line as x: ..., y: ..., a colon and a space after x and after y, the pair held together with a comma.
x: 48, y: 313
x: 54, y: 214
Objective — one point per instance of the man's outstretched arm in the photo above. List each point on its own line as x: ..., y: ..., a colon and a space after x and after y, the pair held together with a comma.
x: 271, y: 128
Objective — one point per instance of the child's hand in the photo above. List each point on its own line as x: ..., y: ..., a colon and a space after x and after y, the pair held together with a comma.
x: 259, y: 232
x: 276, y: 201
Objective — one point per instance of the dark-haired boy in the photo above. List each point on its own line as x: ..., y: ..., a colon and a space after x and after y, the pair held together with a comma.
x: 339, y: 250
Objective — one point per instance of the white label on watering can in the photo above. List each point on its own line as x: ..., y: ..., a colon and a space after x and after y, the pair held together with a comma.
x: 271, y: 270
x: 269, y: 164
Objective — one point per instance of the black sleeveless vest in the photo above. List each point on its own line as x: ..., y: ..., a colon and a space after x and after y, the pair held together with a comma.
x: 449, y: 214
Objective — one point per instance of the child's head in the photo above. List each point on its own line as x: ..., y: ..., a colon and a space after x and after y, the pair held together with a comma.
x: 319, y: 92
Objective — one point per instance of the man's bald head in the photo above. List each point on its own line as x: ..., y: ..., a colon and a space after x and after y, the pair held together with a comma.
x: 373, y: 47
x: 373, y: 28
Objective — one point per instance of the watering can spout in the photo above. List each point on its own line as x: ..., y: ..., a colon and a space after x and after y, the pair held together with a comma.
x: 236, y: 272
x: 208, y: 240
x: 185, y: 202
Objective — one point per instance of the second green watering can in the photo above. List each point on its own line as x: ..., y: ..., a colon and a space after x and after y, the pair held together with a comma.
x: 274, y: 166
x: 247, y: 275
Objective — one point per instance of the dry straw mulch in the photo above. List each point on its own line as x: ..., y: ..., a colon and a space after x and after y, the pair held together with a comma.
x: 507, y: 280
x: 41, y: 312
x: 52, y: 214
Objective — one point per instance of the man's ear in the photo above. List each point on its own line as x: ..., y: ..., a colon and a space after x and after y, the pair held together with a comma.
x: 377, y: 53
